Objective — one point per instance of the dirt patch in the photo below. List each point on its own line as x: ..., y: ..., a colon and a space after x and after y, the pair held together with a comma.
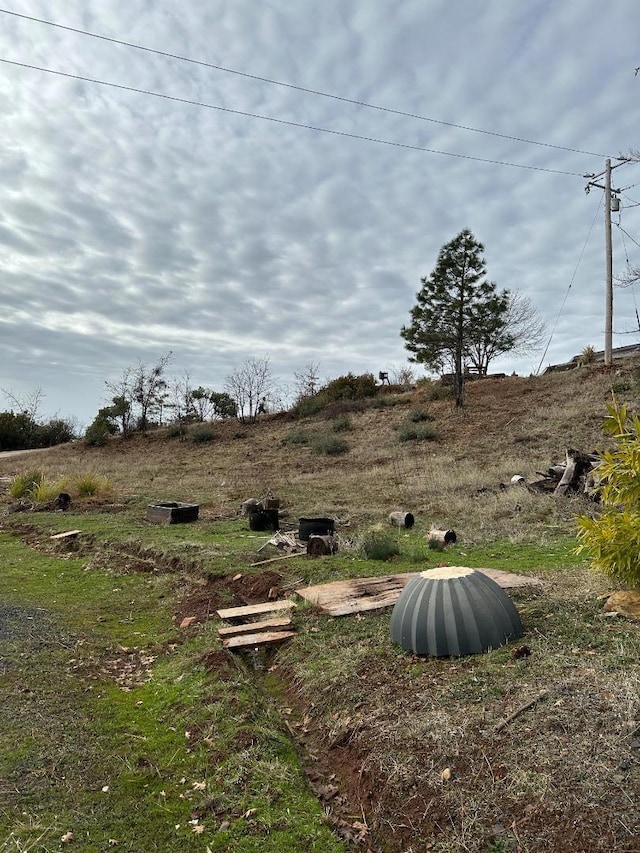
x: 217, y: 593
x: 537, y: 784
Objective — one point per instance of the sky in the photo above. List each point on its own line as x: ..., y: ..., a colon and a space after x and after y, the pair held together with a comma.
x: 272, y: 180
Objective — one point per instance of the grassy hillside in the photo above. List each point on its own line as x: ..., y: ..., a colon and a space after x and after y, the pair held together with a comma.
x: 337, y: 739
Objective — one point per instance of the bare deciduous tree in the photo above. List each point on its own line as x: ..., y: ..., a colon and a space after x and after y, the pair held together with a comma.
x: 249, y: 386
x: 28, y: 404
x: 307, y: 380
x: 143, y: 387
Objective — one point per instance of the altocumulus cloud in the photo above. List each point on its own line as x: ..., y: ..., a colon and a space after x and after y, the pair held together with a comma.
x: 131, y: 225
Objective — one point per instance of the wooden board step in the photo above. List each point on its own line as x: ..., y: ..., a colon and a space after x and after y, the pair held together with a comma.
x: 244, y: 641
x: 255, y: 609
x: 280, y: 624
x: 68, y: 534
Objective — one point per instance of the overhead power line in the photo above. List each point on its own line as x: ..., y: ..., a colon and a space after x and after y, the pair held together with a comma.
x: 297, y: 88
x: 282, y: 121
x: 573, y: 277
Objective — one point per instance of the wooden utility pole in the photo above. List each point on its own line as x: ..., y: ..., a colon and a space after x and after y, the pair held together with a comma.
x: 608, y: 314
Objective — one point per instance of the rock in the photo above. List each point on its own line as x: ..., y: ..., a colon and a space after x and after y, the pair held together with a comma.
x: 626, y: 602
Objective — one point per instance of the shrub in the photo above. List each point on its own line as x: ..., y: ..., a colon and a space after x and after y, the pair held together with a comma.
x: 329, y: 445
x: 612, y: 540
x: 341, y: 424
x: 55, y: 431
x: 98, y: 432
x: 176, y: 430
x: 308, y: 406
x: 621, y: 386
x: 350, y: 387
x: 200, y: 433
x: 378, y: 545
x: 417, y: 433
x: 439, y: 392
x: 296, y: 436
x: 24, y: 484
x: 418, y: 415
x: 89, y: 484
x: 17, y: 432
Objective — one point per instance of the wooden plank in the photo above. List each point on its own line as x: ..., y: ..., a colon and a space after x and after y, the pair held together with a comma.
x: 262, y: 639
x: 253, y: 627
x: 276, y: 559
x: 68, y: 534
x: 255, y: 609
x: 358, y: 595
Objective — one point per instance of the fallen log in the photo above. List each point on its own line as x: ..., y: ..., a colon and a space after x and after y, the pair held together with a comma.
x: 402, y: 519
x: 441, y: 538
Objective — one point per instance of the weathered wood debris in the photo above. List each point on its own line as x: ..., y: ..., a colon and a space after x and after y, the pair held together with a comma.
x: 273, y: 629
x: 573, y: 476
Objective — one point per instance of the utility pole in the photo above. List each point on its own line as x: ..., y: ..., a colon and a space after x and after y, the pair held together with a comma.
x: 608, y: 313
x: 608, y: 310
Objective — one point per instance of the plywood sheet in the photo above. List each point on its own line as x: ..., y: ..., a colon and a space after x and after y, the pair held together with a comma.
x: 357, y: 595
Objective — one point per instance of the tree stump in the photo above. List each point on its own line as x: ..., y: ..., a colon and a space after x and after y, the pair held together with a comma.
x: 321, y: 546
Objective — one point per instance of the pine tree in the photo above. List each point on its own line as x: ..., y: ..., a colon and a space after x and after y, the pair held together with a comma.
x: 456, y: 307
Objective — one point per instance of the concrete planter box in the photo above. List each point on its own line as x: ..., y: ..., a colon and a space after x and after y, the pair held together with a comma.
x: 172, y: 512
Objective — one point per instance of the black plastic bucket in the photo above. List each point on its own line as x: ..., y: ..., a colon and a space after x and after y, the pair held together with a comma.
x: 315, y: 527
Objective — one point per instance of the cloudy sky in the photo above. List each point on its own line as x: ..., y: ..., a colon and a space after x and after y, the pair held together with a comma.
x: 293, y: 175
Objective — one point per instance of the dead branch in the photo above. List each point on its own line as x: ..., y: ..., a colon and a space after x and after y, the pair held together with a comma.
x: 519, y: 710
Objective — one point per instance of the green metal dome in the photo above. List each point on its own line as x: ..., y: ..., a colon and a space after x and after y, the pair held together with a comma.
x: 453, y: 611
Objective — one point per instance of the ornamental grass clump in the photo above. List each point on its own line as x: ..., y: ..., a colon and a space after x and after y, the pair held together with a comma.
x: 48, y: 490
x: 88, y: 484
x: 611, y: 540
x: 23, y: 484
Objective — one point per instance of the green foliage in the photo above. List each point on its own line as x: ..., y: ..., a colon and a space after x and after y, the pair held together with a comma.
x: 350, y: 387
x: 621, y: 386
x: 22, y: 432
x: 379, y: 545
x: 342, y: 424
x: 458, y: 313
x: 419, y: 415
x: 296, y: 436
x: 17, y: 432
x: 201, y: 433
x: 329, y: 445
x: 417, y: 433
x: 99, y: 431
x: 612, y: 539
x: 223, y: 405
x: 308, y: 406
x: 24, y: 484
x: 176, y: 430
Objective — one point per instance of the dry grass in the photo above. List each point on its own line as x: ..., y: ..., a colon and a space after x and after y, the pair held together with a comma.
x: 413, y: 743
x: 510, y: 426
